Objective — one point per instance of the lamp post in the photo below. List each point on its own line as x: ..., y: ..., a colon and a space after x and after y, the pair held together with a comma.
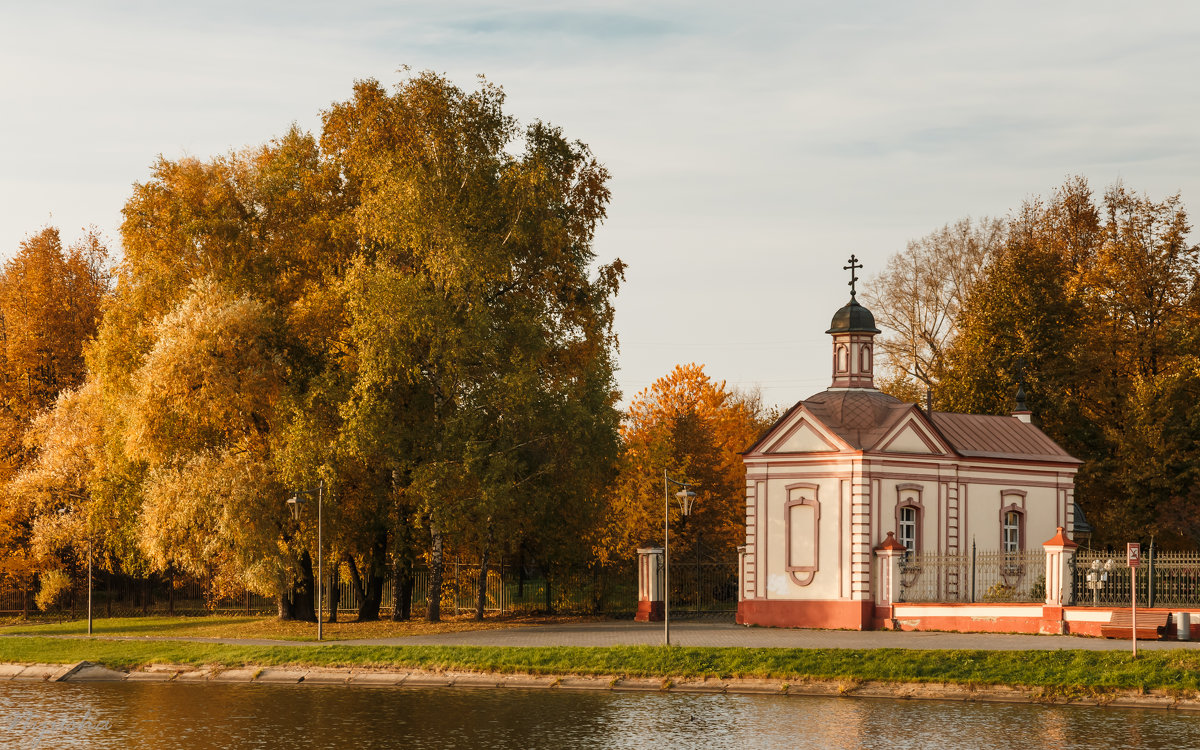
x: 89, y: 575
x: 686, y: 498
x: 294, y: 504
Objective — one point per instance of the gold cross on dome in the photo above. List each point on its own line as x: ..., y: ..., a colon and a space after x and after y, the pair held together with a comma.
x: 854, y: 266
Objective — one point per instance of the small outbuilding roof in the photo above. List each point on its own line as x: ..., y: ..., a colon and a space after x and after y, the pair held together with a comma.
x: 988, y: 436
x: 863, y: 417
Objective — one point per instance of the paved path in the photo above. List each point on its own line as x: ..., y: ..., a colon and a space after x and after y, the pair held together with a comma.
x: 619, y: 633
x: 684, y: 633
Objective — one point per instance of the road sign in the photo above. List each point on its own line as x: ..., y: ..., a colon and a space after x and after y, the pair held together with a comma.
x: 1133, y: 553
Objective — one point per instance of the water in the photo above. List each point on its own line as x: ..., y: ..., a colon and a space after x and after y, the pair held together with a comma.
x: 203, y: 717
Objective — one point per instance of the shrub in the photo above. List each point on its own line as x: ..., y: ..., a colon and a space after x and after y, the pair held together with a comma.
x: 55, y: 586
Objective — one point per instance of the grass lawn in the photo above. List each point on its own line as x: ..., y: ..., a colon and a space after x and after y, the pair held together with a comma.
x: 216, y: 626
x: 1050, y: 672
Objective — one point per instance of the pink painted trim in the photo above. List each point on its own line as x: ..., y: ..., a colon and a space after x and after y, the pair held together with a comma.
x: 922, y: 432
x: 802, y: 574
x: 831, y: 441
x: 761, y: 560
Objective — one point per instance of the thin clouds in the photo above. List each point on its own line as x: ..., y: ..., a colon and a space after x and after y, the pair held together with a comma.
x: 752, y: 146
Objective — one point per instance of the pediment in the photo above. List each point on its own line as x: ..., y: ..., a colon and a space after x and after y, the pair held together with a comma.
x: 912, y: 435
x: 802, y: 434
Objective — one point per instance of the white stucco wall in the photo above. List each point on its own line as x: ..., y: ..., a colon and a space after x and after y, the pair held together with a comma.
x: 959, y: 500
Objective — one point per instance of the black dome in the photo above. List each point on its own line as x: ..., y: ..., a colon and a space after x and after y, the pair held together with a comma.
x: 853, y: 318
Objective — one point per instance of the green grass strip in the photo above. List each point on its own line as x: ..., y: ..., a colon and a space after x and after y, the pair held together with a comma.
x: 1052, y: 671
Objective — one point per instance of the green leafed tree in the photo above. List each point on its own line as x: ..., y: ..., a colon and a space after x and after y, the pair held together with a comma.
x: 478, y: 348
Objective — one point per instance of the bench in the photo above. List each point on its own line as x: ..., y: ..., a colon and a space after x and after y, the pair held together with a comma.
x: 1151, y: 626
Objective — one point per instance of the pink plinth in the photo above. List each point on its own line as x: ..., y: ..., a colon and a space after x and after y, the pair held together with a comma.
x: 649, y: 611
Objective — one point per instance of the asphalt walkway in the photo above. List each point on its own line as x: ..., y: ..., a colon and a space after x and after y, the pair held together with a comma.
x: 686, y: 633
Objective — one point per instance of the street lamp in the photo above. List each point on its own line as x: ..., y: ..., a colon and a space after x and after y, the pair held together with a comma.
x: 1097, y: 576
x: 686, y: 498
x: 294, y: 503
x: 89, y: 574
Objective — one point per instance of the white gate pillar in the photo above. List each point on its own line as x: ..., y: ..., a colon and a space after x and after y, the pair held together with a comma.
x: 887, y: 583
x: 1060, y: 556
x: 650, y: 585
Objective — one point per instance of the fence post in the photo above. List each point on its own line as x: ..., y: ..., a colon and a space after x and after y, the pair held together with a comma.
x: 1150, y: 578
x: 972, y: 570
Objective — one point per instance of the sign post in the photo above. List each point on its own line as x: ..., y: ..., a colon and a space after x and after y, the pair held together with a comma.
x: 1133, y: 555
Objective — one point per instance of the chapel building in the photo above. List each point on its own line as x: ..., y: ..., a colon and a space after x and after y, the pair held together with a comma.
x: 844, y: 468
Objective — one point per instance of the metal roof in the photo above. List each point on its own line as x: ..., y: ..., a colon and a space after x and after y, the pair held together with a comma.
x: 863, y: 417
x: 987, y: 436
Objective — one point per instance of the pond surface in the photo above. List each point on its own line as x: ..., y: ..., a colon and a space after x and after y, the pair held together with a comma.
x: 200, y: 717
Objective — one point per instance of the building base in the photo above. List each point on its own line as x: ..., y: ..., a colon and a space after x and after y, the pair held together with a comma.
x: 648, y: 611
x: 837, y: 614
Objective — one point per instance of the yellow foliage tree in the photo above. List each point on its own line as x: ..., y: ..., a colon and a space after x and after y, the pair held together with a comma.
x: 50, y: 302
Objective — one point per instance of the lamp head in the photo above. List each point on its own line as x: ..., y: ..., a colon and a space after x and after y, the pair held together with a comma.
x: 686, y: 498
x: 293, y: 505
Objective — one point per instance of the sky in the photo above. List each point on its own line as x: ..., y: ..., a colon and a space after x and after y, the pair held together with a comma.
x: 753, y: 146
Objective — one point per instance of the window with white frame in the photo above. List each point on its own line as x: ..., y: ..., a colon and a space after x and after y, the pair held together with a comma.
x: 908, y: 528
x: 1012, y: 531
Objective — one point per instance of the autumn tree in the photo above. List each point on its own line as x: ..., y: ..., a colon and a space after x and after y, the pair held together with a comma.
x: 50, y: 302
x: 693, y: 428
x: 203, y: 351
x: 407, y: 309
x: 1092, y: 309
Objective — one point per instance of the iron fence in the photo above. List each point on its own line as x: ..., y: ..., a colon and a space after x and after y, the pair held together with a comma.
x: 695, y: 587
x: 1165, y: 579
x: 974, y: 576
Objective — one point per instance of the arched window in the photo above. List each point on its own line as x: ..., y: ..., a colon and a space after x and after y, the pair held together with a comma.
x: 864, y: 358
x: 908, y: 528
x: 1012, y: 520
x: 1011, y: 532
x: 909, y: 512
x: 843, y: 359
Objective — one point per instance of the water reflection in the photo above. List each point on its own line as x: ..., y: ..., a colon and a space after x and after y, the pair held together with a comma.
x: 204, y: 717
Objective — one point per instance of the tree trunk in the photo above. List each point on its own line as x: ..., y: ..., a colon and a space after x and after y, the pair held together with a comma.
x: 302, y: 594
x: 481, y: 589
x: 368, y: 584
x: 368, y: 610
x: 407, y: 582
x: 549, y: 599
x: 433, y: 612
x: 368, y: 607
x: 356, y: 579
x: 283, y: 606
x: 335, y: 593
